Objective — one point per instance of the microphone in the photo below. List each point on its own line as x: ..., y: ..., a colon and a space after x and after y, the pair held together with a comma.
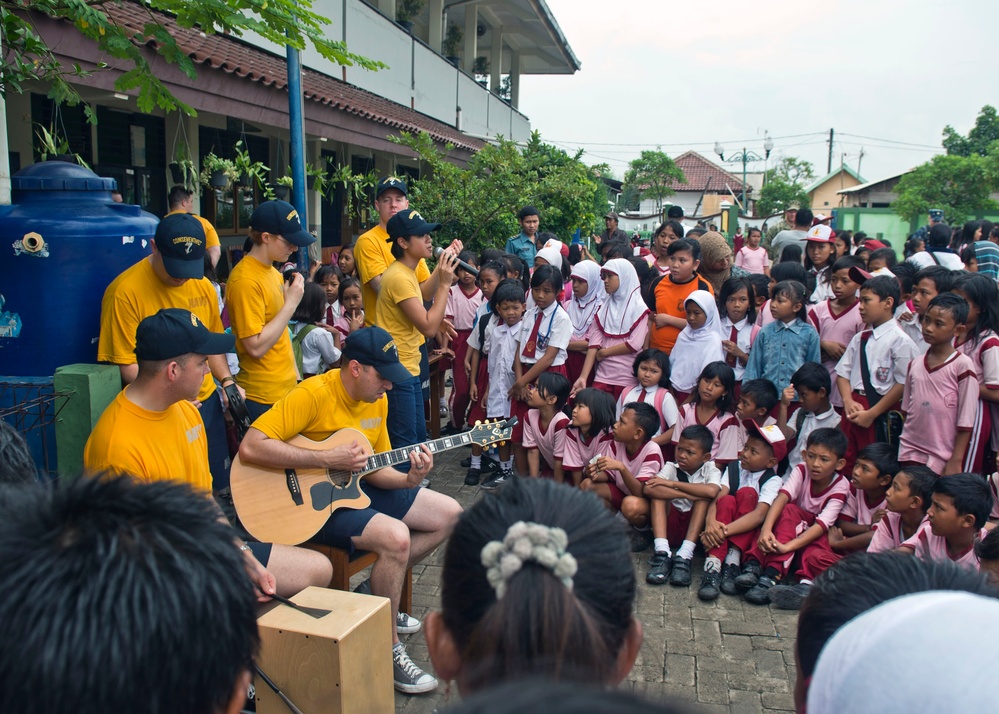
x: 461, y: 263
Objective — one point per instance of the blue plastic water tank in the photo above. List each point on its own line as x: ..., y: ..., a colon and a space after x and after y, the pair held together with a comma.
x: 67, y: 241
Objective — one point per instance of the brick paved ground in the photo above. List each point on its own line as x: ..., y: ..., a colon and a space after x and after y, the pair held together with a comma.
x: 725, y: 656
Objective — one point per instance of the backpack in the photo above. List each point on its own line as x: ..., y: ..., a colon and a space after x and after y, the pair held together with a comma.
x: 732, y: 471
x: 296, y: 346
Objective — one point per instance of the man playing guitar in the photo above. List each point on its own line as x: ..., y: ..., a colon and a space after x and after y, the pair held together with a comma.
x: 403, y: 524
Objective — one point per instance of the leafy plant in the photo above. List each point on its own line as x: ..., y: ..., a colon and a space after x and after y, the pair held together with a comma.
x: 186, y: 167
x: 51, y: 144
x: 652, y: 175
x: 212, y: 164
x: 406, y: 10
x: 247, y: 168
x: 285, y: 181
x: 452, y: 40
x: 356, y: 187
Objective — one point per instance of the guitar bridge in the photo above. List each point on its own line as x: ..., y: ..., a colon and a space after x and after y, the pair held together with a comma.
x: 293, y: 487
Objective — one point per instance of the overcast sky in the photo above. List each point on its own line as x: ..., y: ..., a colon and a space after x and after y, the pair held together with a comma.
x: 686, y: 74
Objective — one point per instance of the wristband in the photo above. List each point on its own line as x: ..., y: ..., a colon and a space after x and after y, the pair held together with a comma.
x: 230, y: 378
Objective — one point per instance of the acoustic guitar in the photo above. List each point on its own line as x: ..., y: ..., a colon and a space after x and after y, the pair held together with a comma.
x: 289, y: 506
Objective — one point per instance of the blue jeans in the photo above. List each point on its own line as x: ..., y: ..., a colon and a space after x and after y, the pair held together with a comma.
x: 406, y: 421
x: 218, y: 444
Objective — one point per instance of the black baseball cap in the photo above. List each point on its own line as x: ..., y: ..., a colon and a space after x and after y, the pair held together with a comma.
x: 281, y: 218
x: 374, y: 347
x: 173, y: 332
x: 409, y: 223
x: 391, y: 182
x: 180, y: 239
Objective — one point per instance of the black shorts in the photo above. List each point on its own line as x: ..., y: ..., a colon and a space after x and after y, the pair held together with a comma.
x: 346, y: 523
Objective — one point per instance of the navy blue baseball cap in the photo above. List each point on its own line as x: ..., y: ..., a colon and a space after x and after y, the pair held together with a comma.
x: 391, y: 182
x: 374, y: 347
x: 173, y: 332
x: 180, y: 239
x: 409, y: 223
x: 281, y: 218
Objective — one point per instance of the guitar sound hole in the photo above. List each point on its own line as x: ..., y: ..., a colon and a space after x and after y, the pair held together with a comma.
x: 340, y: 478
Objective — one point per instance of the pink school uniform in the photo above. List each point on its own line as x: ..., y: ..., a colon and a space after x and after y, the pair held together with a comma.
x: 549, y: 443
x: 754, y: 260
x: 623, y: 318
x: 578, y: 451
x: 928, y: 546
x: 819, y: 555
x: 643, y: 466
x: 985, y: 354
x: 805, y: 507
x: 835, y: 328
x: 724, y: 427
x: 938, y: 403
x: 994, y: 487
x: 858, y: 510
x: 461, y: 311
x: 888, y: 533
x: 658, y: 397
x: 540, y: 329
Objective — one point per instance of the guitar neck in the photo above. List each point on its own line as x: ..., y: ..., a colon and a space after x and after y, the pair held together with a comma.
x: 399, y: 456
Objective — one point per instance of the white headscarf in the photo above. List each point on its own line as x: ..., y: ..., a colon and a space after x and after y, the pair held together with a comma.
x: 551, y: 255
x: 623, y: 308
x: 928, y: 652
x: 582, y: 310
x: 696, y: 349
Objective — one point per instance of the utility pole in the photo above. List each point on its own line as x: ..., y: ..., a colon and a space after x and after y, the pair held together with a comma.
x: 829, y: 164
x: 860, y: 160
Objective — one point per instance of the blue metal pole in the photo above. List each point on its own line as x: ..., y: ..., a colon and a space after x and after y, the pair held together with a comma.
x: 296, y: 151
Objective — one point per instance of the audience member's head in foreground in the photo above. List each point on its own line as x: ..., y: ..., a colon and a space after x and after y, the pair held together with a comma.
x: 539, y: 695
x: 537, y: 582
x: 121, y: 596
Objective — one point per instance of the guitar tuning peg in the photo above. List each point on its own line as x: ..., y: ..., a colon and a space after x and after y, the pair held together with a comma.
x: 478, y: 423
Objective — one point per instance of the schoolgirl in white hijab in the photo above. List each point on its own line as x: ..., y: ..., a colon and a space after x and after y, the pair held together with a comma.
x: 696, y: 348
x: 583, y: 309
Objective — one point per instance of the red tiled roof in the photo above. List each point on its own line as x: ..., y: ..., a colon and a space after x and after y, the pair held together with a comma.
x: 698, y: 170
x: 243, y: 60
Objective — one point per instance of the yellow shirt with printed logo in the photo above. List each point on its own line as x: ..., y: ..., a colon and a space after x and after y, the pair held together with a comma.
x: 320, y: 406
x: 373, y: 256
x: 254, y: 295
x: 138, y: 293
x: 154, y: 446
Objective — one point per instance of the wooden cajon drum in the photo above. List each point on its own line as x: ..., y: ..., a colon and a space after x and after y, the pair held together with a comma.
x: 338, y: 664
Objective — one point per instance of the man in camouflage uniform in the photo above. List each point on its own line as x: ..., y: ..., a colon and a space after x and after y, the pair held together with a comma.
x: 785, y: 224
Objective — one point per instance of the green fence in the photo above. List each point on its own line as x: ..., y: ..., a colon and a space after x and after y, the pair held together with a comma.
x: 885, y: 225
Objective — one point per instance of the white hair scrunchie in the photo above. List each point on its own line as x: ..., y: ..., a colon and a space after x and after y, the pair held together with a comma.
x: 525, y: 542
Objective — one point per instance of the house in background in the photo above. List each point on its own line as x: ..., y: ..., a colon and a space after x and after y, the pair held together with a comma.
x: 707, y: 186
x: 873, y: 194
x: 826, y: 194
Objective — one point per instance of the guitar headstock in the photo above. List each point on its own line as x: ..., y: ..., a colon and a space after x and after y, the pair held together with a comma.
x: 487, y: 433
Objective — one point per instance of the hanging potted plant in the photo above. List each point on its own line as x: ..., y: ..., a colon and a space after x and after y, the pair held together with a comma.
x: 249, y: 171
x: 53, y: 146
x: 405, y: 11
x: 182, y: 168
x: 282, y: 187
x: 217, y: 172
x: 452, y: 43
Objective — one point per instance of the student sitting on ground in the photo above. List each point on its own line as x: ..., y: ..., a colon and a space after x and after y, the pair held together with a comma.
x: 756, y: 400
x: 588, y: 432
x: 907, y: 501
x: 680, y: 495
x: 735, y: 517
x: 651, y: 368
x: 537, y: 582
x: 544, y: 430
x: 806, y: 507
x: 618, y: 476
x: 955, y: 521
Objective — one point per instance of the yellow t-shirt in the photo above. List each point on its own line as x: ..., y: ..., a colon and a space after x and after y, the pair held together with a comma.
x: 373, y: 256
x: 138, y: 293
x: 254, y: 296
x: 320, y: 406
x: 155, y: 446
x: 400, y: 283
x: 211, y: 235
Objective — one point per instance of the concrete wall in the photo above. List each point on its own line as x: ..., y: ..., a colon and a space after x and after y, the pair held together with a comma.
x: 825, y: 198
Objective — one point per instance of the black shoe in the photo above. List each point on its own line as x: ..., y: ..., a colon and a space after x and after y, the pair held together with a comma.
x: 472, y: 477
x: 487, y: 463
x: 681, y: 572
x: 708, y: 590
x: 730, y: 571
x: 640, y: 540
x: 751, y: 571
x: 497, y: 480
x: 759, y: 594
x: 659, y: 572
x: 789, y: 597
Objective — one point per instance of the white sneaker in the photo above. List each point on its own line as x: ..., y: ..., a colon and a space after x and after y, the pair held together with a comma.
x: 406, y: 624
x: 409, y: 678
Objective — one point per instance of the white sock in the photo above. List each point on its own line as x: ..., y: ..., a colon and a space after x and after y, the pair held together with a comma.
x: 734, y: 557
x: 661, y: 545
x: 507, y: 465
x: 712, y: 564
x: 804, y: 581
x: 444, y: 402
x: 476, y: 462
x: 686, y: 550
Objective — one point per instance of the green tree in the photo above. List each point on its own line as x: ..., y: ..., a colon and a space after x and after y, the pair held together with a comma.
x: 979, y: 139
x: 478, y: 204
x: 961, y: 185
x: 29, y: 59
x: 784, y: 185
x: 652, y: 175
